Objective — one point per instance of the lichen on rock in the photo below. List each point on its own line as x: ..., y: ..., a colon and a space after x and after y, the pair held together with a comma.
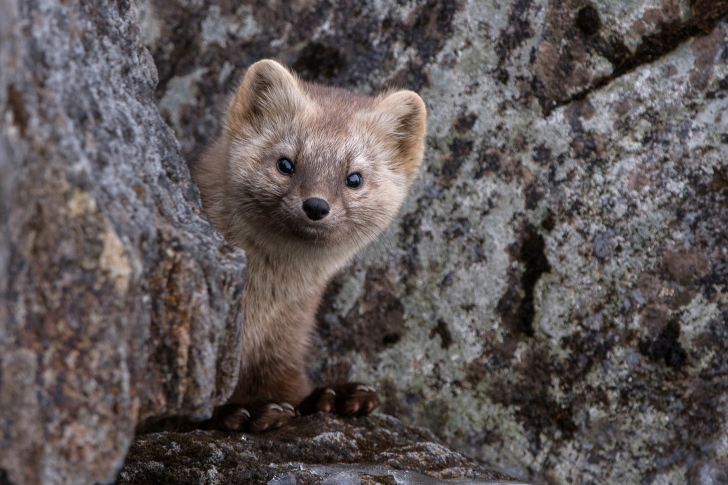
x: 314, y: 449
x: 554, y: 296
x: 552, y: 301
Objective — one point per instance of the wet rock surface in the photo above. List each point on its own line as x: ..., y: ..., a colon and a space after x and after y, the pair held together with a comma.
x: 553, y: 300
x: 316, y: 449
x: 119, y: 304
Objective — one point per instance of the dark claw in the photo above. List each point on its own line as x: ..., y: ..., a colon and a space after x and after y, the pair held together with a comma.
x: 270, y: 416
x: 230, y: 417
x: 255, y: 417
x: 351, y: 399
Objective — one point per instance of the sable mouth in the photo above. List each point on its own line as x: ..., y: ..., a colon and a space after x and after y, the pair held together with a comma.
x: 295, y: 223
x: 309, y: 231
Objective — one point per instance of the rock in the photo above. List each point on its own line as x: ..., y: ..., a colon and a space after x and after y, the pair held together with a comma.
x: 314, y: 449
x: 553, y: 300
x: 119, y: 304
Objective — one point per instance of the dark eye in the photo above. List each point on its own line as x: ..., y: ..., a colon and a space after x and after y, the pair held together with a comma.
x: 285, y: 167
x: 354, y: 180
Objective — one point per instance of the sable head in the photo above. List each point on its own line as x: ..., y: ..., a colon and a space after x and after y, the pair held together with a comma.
x: 316, y: 165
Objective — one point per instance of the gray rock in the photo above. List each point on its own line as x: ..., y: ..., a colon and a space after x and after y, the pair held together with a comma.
x: 553, y: 300
x: 318, y: 449
x: 119, y: 304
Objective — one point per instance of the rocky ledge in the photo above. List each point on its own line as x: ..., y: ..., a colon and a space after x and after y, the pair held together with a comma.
x: 314, y: 449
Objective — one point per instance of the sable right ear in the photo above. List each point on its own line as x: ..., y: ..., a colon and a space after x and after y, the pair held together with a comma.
x: 401, y: 120
x: 268, y: 93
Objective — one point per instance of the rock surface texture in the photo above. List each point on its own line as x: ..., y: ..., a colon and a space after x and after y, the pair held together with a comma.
x: 554, y: 299
x: 118, y: 303
x: 318, y: 449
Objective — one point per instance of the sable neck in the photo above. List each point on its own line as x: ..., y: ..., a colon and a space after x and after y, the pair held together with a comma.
x: 282, y: 287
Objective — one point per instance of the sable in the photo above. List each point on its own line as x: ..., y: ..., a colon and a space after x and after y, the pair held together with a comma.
x: 301, y: 177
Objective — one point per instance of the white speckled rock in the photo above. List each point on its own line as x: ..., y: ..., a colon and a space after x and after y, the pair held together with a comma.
x: 553, y: 298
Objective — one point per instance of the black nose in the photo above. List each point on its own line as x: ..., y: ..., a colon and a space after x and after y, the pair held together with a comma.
x: 316, y: 209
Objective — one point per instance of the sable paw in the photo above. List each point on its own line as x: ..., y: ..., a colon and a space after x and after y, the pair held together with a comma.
x: 269, y: 416
x: 253, y: 418
x: 230, y: 417
x: 350, y: 399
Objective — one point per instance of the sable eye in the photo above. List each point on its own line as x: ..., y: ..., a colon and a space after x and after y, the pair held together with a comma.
x: 354, y: 180
x: 285, y: 167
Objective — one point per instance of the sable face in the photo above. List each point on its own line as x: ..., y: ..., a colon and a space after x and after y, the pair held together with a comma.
x: 318, y: 165
x: 327, y: 188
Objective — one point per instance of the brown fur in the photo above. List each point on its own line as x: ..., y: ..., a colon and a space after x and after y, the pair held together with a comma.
x: 327, y: 133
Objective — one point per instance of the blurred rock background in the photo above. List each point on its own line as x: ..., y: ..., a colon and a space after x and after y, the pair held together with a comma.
x: 553, y: 299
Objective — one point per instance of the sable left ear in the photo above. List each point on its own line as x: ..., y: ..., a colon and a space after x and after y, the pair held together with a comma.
x: 401, y: 120
x: 268, y: 93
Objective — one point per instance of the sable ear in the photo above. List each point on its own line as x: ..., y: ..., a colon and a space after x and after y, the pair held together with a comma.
x: 268, y: 93
x: 401, y: 120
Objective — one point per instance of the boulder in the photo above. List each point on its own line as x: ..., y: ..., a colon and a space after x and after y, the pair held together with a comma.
x: 553, y: 298
x: 119, y: 304
x: 314, y: 449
